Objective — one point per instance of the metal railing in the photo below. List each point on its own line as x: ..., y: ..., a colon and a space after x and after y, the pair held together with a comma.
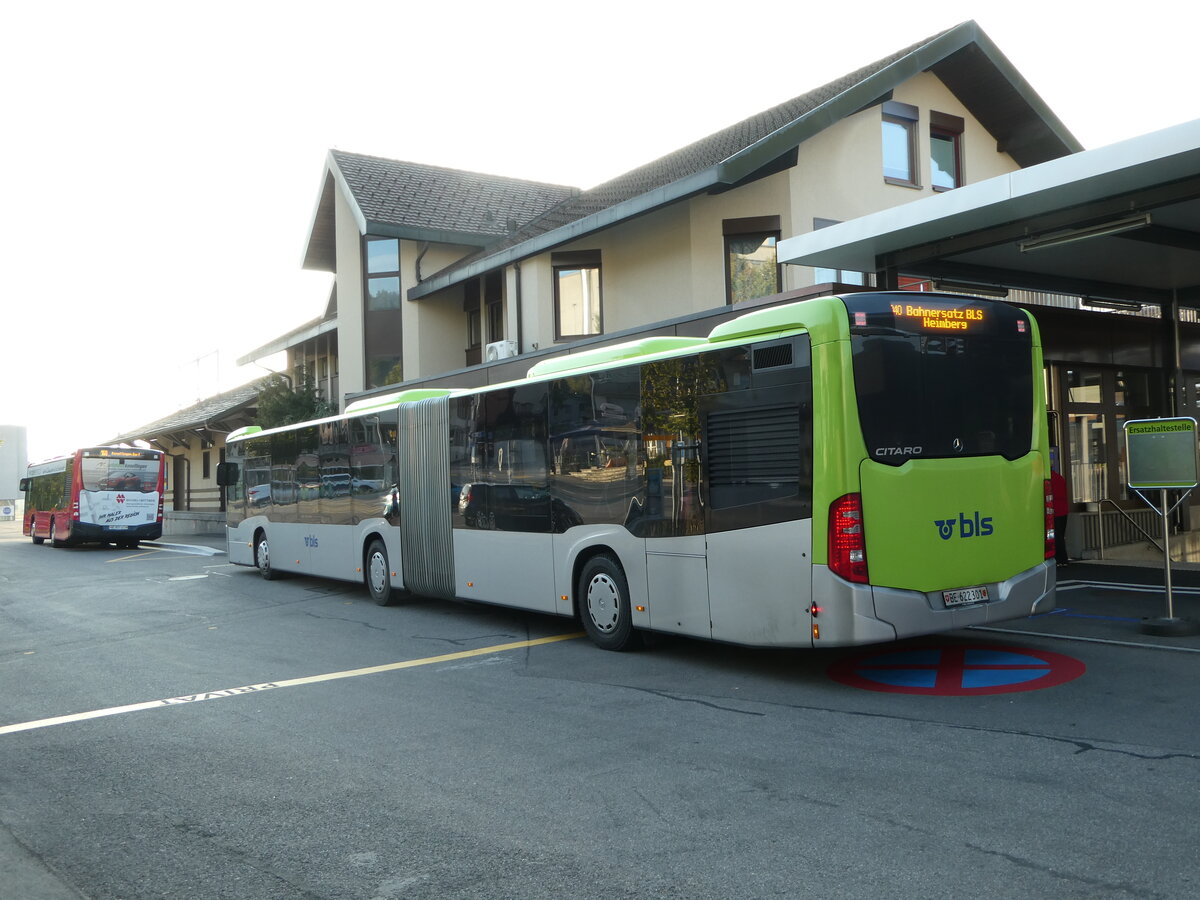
x: 1128, y: 517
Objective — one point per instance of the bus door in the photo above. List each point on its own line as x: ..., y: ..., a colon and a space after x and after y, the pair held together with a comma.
x: 758, y: 514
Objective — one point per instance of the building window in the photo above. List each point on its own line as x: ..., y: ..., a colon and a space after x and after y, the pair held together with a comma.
x: 900, y: 143
x: 945, y: 151
x: 471, y: 309
x: 834, y: 276
x: 751, y: 258
x: 205, y: 464
x: 474, y: 333
x: 384, y: 370
x: 383, y: 273
x: 577, y: 300
x: 493, y: 299
x: 382, y: 324
x: 495, y: 321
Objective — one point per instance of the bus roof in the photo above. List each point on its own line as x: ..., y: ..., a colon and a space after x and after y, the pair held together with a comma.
x: 612, y: 353
x: 824, y: 318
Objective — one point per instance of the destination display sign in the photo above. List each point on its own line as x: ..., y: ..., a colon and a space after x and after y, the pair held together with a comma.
x: 936, y: 316
x: 120, y: 453
x: 939, y: 318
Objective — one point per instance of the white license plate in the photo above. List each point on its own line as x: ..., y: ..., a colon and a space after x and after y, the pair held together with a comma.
x: 965, y: 595
x: 117, y: 527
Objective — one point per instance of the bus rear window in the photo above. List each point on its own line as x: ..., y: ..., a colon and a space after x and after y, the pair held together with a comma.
x: 941, y: 376
x: 140, y: 475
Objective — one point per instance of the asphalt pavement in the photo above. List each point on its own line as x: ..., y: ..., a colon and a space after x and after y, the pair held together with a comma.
x: 1115, y: 603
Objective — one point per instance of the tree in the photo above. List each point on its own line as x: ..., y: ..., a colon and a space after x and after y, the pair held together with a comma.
x: 280, y: 404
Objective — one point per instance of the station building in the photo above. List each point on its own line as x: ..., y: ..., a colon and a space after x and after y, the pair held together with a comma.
x: 440, y: 272
x: 446, y: 277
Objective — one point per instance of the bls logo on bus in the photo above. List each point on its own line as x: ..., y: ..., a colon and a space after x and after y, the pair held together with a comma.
x: 976, y: 526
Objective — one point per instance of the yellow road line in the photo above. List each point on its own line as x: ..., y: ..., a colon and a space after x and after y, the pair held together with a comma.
x: 289, y: 682
x: 136, y: 555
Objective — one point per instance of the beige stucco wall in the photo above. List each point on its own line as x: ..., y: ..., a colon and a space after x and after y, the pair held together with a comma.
x: 667, y: 263
x: 765, y: 197
x: 351, y: 351
x: 839, y: 173
x: 435, y: 328
x: 205, y: 495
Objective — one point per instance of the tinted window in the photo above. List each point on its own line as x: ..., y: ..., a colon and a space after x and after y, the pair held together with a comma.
x: 337, y: 507
x: 673, y: 392
x: 498, y: 462
x: 107, y: 474
x: 596, y: 445
x: 940, y: 376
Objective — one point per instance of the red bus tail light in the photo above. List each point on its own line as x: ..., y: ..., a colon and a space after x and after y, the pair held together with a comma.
x: 847, y: 541
x: 1051, y: 537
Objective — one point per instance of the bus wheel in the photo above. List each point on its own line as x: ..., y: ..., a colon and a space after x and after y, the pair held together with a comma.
x: 379, y: 574
x: 54, y: 538
x: 604, y: 604
x: 33, y: 533
x: 262, y: 557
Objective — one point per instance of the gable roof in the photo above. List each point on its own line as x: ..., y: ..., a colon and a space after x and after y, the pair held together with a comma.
x: 224, y: 410
x: 963, y: 57
x: 423, y: 203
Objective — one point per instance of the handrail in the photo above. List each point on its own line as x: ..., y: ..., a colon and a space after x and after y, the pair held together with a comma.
x: 1100, y: 524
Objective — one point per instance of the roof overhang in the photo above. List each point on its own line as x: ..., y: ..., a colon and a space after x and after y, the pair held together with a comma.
x: 1123, y: 222
x: 294, y: 338
x: 320, y: 250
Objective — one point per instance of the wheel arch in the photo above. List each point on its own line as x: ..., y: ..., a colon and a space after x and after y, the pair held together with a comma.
x: 259, y: 531
x: 582, y: 558
x: 368, y: 537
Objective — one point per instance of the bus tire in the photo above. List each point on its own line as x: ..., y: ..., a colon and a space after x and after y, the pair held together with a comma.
x: 33, y: 533
x: 603, y: 595
x: 378, y: 574
x: 55, y: 541
x: 262, y: 557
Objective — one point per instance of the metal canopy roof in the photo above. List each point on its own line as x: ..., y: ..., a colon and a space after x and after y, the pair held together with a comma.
x: 1141, y: 195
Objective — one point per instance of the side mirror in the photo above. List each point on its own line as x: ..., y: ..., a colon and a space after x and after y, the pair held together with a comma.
x: 23, y: 485
x: 227, y: 474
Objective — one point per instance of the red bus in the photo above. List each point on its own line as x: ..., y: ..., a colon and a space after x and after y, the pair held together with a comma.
x: 96, y: 495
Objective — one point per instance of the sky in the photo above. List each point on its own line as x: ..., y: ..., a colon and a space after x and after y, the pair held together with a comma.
x: 162, y: 160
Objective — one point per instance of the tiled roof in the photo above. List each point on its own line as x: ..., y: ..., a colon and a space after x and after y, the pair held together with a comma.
x: 206, y: 412
x: 689, y: 160
x: 962, y: 56
x: 414, y: 195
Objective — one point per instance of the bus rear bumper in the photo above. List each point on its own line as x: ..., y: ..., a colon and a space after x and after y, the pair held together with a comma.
x: 865, y: 614
x: 86, y: 533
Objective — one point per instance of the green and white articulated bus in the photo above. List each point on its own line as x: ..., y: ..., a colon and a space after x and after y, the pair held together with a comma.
x: 843, y: 470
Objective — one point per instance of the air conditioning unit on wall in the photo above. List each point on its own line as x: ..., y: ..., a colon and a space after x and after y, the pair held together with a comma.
x: 500, y: 350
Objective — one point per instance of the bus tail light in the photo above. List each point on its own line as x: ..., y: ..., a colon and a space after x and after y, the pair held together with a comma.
x: 1050, y: 535
x: 847, y: 542
x: 75, y: 511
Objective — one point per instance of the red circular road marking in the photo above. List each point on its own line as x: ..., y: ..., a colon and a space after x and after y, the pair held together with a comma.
x: 953, y: 671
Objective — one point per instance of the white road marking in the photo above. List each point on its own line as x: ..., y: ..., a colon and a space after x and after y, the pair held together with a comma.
x: 290, y: 682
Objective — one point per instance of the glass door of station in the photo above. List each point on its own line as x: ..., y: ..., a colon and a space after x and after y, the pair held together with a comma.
x: 1095, y: 403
